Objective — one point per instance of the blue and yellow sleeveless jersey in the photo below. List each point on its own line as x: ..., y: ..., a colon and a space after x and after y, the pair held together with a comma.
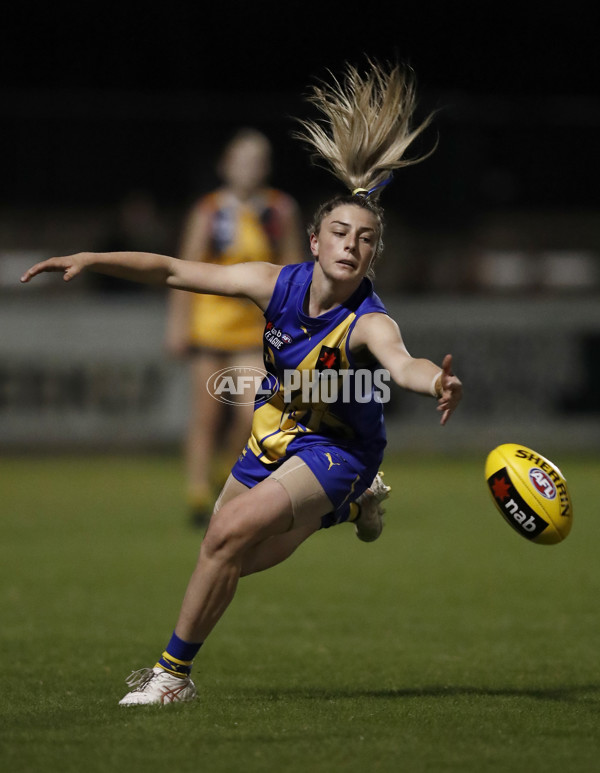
x: 286, y: 421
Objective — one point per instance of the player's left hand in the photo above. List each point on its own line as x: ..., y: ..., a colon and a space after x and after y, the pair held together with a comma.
x: 451, y: 390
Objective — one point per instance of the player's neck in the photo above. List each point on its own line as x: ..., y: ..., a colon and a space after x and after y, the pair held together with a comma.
x: 243, y: 195
x: 325, y: 294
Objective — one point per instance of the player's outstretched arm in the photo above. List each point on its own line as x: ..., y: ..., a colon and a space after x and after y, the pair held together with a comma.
x: 249, y: 280
x: 381, y: 335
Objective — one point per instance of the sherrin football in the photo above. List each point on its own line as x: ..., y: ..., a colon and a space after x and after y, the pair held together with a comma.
x: 530, y: 492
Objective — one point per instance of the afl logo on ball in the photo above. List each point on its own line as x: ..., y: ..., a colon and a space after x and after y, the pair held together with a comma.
x: 542, y: 482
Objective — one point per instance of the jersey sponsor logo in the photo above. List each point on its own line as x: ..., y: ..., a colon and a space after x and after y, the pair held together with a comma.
x: 276, y: 337
x: 328, y: 359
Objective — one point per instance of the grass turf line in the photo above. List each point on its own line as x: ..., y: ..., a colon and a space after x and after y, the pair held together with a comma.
x: 451, y: 644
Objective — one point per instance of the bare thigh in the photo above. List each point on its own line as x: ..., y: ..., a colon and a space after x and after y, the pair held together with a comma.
x: 309, y: 503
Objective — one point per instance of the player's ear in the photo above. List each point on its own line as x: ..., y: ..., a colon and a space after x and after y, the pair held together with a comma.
x: 314, y: 245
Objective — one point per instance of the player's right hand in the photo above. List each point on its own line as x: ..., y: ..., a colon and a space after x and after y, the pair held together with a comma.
x: 71, y: 265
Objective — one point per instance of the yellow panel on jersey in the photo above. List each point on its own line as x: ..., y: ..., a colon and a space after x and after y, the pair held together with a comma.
x: 276, y: 424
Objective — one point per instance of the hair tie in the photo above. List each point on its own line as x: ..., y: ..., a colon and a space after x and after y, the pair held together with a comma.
x: 366, y: 192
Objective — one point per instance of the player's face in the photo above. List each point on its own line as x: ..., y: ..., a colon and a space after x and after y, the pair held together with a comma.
x: 246, y: 165
x: 347, y: 242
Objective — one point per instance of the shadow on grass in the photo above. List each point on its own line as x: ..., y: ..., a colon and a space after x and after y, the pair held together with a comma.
x: 583, y: 692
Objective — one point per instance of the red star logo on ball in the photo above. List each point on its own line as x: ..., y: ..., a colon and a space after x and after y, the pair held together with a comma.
x: 500, y: 488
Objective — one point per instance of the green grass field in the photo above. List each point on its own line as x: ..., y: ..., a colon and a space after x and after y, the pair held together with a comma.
x: 451, y: 644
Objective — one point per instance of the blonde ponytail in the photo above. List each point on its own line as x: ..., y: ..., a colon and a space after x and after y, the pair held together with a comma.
x: 366, y: 129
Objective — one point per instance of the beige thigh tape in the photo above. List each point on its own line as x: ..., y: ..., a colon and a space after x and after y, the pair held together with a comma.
x: 307, y: 496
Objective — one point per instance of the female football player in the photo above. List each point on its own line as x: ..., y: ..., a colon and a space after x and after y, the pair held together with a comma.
x: 244, y: 220
x: 317, y: 436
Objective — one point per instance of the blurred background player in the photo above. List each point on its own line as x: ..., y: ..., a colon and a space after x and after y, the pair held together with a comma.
x: 242, y: 221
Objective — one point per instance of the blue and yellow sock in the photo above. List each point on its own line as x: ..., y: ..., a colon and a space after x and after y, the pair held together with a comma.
x: 178, y: 657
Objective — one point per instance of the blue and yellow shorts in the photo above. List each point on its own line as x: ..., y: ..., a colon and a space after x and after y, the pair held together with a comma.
x: 338, y: 474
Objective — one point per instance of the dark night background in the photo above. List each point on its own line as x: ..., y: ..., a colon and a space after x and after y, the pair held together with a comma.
x: 98, y: 100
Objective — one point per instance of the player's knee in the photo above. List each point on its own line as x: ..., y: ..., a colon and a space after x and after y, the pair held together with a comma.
x: 226, y: 537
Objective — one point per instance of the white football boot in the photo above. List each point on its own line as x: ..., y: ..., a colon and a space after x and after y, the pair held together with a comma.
x: 157, y: 686
x: 369, y: 523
